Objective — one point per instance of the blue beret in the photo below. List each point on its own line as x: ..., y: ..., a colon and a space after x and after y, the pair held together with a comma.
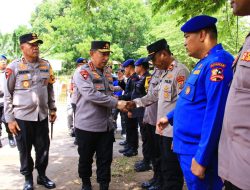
x: 128, y: 62
x: 3, y: 57
x: 198, y: 23
x: 80, y: 60
x: 141, y: 61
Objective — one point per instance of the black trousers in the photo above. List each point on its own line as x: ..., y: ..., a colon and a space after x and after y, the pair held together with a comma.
x: 34, y: 133
x: 123, y: 123
x: 100, y: 143
x: 156, y: 157
x: 2, y: 120
x: 230, y: 186
x: 172, y: 177
x: 147, y: 135
x: 132, y: 133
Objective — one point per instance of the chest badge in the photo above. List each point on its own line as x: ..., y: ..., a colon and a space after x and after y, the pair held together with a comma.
x: 187, y: 91
x: 26, y: 84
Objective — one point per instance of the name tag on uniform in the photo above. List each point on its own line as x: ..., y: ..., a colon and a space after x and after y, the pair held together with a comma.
x: 168, y: 81
x: 23, y: 72
x: 44, y: 70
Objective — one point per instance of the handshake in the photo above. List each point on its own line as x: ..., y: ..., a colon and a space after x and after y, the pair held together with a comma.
x: 126, y: 106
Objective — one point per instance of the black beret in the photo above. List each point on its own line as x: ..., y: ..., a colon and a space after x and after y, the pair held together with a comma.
x: 155, y: 47
x: 29, y: 38
x: 102, y: 46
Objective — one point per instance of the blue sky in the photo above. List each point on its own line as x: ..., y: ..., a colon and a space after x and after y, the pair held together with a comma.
x: 15, y: 12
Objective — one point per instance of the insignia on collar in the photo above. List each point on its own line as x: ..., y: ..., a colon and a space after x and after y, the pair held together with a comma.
x: 196, y: 72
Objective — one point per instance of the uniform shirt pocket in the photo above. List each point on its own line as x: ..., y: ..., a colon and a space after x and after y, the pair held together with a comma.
x: 188, y: 91
x: 24, y: 81
x: 242, y: 80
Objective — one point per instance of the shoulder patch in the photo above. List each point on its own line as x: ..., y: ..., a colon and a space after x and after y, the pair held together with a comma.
x: 8, y: 73
x: 180, y: 79
x: 217, y: 75
x: 246, y: 56
x: 84, y: 74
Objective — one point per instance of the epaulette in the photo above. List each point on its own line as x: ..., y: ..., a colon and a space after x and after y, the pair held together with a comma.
x: 43, y: 61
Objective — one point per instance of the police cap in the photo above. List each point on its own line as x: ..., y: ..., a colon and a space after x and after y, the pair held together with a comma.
x: 198, y: 23
x: 142, y: 61
x: 155, y: 47
x: 29, y: 38
x: 128, y: 62
x: 81, y: 60
x: 101, y: 46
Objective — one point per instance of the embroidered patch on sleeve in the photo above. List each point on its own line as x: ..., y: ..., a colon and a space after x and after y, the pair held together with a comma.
x: 84, y: 74
x: 8, y: 73
x: 245, y: 57
x: 217, y: 64
x: 180, y: 80
x: 217, y: 74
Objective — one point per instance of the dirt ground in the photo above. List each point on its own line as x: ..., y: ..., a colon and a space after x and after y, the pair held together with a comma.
x: 63, y: 163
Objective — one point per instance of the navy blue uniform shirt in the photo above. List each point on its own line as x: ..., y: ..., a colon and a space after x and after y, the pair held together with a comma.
x: 128, y: 87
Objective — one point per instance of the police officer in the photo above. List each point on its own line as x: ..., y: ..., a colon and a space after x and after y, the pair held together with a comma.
x: 28, y: 96
x: 3, y: 64
x: 197, y: 118
x: 172, y: 79
x: 120, y: 77
x: 234, y: 146
x: 74, y: 95
x: 141, y: 69
x: 93, y: 119
x: 131, y: 122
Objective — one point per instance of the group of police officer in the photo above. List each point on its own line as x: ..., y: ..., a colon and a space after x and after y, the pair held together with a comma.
x: 181, y: 123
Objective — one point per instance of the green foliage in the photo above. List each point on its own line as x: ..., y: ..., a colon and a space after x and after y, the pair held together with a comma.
x: 67, y: 31
x: 67, y: 27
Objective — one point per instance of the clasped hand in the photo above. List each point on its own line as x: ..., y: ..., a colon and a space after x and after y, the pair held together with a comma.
x: 126, y: 106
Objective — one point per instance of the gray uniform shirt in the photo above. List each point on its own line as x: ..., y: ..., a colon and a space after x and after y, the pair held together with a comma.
x: 75, y: 93
x: 150, y: 115
x: 2, y: 79
x: 234, y: 145
x: 166, y: 92
x: 94, y: 105
x: 28, y: 90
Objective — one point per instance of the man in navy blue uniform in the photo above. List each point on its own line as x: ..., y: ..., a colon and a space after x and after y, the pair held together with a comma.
x: 131, y: 123
x: 141, y: 69
x: 197, y: 118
